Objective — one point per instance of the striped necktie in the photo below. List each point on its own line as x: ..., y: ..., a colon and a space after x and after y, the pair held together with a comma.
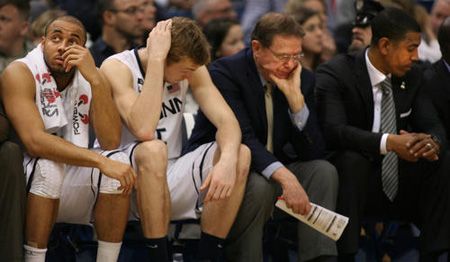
x: 269, y: 114
x: 389, y: 166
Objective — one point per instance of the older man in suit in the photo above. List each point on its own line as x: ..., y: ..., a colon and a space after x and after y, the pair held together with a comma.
x: 384, y: 134
x: 273, y: 100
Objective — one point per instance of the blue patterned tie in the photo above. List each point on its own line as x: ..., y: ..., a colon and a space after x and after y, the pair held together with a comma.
x: 389, y: 166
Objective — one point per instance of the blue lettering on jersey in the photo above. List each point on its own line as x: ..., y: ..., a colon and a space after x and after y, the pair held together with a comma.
x: 172, y: 107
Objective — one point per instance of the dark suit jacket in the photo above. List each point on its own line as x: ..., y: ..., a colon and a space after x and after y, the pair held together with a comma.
x: 437, y: 81
x: 346, y: 107
x: 238, y: 80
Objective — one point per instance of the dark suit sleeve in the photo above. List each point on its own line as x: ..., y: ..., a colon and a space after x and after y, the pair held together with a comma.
x: 4, y: 125
x: 425, y: 118
x: 261, y: 158
x: 336, y: 98
x: 308, y: 143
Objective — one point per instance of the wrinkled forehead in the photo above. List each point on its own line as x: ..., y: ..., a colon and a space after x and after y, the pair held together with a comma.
x: 66, y: 28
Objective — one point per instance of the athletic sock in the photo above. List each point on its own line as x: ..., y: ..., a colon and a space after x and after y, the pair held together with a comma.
x: 33, y: 254
x: 157, y: 249
x: 210, y: 247
x: 108, y: 251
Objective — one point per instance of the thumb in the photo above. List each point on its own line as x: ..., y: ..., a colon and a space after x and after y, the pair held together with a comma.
x: 206, y: 182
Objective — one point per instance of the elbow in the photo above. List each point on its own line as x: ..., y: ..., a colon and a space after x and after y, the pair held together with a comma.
x: 144, y: 134
x: 32, y: 147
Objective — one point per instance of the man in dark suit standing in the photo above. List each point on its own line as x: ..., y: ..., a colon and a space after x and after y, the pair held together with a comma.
x: 273, y: 100
x: 384, y: 134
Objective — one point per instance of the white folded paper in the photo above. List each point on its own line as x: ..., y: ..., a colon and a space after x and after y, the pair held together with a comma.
x: 321, y: 219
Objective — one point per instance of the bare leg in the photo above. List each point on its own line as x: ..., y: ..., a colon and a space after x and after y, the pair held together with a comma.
x: 152, y: 192
x: 218, y: 216
x: 111, y: 216
x: 40, y: 217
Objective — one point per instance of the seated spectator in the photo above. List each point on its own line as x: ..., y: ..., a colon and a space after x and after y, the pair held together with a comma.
x: 14, y: 31
x: 328, y: 43
x: 60, y: 92
x: 439, y: 11
x: 207, y: 182
x: 148, y: 20
x: 312, y: 46
x: 254, y: 9
x: 429, y: 47
x: 225, y: 37
x: 207, y: 10
x: 384, y: 135
x: 122, y: 23
x: 273, y: 100
x: 362, y: 31
x: 37, y: 28
x: 12, y: 195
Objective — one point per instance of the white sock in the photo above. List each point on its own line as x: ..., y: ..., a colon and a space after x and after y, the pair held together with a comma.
x: 108, y: 251
x: 33, y: 254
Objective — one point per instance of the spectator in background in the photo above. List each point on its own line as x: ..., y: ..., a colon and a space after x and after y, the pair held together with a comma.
x: 254, y: 9
x: 439, y: 11
x: 362, y: 31
x: 148, y: 21
x: 12, y: 195
x: 429, y: 46
x: 329, y: 45
x: 312, y: 40
x: 37, y: 28
x: 13, y: 31
x: 207, y: 10
x: 122, y: 24
x: 225, y: 37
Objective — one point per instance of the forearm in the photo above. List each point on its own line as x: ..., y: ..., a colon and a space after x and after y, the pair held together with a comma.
x: 54, y: 148
x: 146, y: 110
x: 105, y: 118
x: 228, y: 137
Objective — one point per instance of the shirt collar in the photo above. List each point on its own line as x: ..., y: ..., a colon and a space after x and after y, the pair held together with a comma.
x: 375, y: 75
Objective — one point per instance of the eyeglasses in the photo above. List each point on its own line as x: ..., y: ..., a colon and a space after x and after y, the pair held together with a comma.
x: 132, y: 10
x: 285, y: 58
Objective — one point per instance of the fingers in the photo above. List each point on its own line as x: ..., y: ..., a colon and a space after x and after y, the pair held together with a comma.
x: 206, y: 183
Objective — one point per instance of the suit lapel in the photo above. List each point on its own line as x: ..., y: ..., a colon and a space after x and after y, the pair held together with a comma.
x: 254, y: 83
x: 363, y: 85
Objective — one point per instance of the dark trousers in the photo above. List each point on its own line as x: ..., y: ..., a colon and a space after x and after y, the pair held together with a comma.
x: 244, y: 242
x: 12, y: 202
x: 421, y: 198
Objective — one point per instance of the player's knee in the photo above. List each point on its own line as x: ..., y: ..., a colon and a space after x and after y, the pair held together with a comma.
x: 47, y: 179
x: 245, y: 157
x: 151, y: 157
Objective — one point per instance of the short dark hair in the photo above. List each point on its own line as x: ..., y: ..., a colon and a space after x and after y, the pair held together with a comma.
x: 444, y: 38
x: 188, y: 41
x: 393, y: 24
x: 22, y: 5
x: 215, y: 31
x: 70, y: 19
x: 272, y: 24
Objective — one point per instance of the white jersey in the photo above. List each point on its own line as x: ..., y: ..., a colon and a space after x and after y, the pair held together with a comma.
x: 169, y: 127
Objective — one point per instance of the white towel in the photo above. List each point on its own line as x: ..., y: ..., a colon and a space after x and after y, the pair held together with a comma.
x: 63, y: 113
